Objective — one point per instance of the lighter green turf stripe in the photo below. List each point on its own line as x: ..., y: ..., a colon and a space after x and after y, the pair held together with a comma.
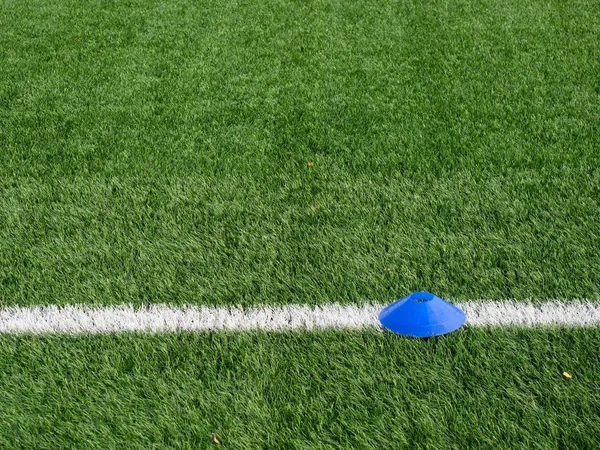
x: 475, y: 388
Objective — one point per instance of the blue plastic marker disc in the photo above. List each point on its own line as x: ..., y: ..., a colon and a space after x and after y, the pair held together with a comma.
x: 422, y: 314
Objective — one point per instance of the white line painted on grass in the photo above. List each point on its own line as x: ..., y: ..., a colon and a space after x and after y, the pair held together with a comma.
x: 165, y: 318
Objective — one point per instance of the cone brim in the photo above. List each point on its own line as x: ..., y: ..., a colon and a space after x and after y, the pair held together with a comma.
x: 422, y: 314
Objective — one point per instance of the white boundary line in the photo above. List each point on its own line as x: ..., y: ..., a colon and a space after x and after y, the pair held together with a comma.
x: 81, y: 319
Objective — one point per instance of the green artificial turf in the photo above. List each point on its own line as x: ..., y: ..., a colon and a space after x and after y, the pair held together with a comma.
x: 156, y: 151
x: 499, y: 388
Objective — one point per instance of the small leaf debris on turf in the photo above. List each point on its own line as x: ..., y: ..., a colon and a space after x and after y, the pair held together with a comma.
x: 215, y: 440
x: 310, y: 164
x: 567, y: 375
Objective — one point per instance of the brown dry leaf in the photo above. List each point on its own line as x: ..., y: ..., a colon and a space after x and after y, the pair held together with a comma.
x: 567, y: 375
x: 310, y: 164
x: 215, y: 440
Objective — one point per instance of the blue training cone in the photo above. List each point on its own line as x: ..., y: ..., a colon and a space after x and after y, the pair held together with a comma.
x: 422, y: 314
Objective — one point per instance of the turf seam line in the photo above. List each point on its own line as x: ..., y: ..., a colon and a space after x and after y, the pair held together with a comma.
x: 77, y: 319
